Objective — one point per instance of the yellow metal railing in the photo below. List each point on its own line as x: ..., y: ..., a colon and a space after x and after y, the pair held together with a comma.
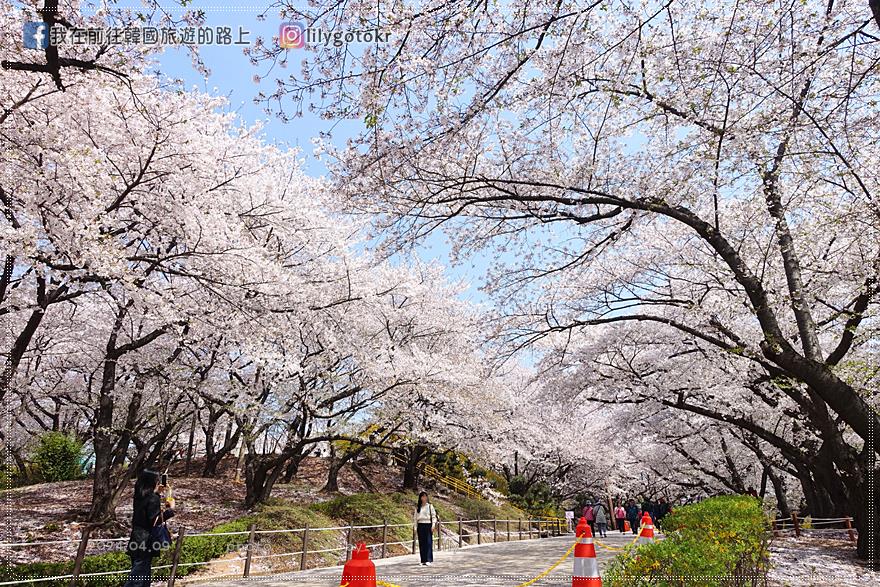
x: 455, y: 484
x: 452, y: 483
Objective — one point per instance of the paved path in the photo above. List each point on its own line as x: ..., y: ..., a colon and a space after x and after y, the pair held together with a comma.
x: 505, y: 564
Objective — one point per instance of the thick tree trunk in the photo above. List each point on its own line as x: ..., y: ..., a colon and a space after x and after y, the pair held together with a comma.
x: 411, y: 468
x: 779, y: 491
x: 103, y: 506
x: 865, y: 496
x: 216, y: 456
x: 291, y: 470
x: 332, y: 484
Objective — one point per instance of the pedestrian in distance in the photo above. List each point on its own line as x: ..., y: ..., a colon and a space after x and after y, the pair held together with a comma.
x: 632, y: 515
x: 648, y: 507
x: 601, y: 516
x: 589, y: 516
x: 662, y: 511
x: 143, y: 543
x: 620, y: 517
x: 425, y: 518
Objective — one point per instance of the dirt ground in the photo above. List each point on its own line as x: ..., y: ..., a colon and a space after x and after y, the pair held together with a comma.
x: 818, y: 561
x: 55, y: 511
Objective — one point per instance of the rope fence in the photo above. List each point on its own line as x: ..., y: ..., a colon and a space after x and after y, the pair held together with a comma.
x: 460, y: 533
x: 809, y: 524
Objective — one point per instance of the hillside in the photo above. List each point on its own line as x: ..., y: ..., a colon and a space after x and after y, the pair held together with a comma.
x: 53, y: 511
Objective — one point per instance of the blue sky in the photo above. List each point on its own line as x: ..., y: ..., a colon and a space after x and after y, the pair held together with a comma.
x: 232, y: 76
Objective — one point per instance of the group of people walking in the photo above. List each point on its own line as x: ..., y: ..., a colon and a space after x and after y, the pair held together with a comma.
x: 599, y: 518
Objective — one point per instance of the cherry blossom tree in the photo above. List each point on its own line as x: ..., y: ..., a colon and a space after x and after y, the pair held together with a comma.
x: 709, y: 170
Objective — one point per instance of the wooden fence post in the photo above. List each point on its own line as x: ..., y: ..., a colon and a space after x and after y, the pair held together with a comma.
x: 508, y: 530
x: 797, y: 525
x: 520, y: 529
x: 414, y: 539
x: 439, y: 535
x: 494, y: 530
x: 348, y: 542
x: 459, y: 532
x: 384, y: 536
x: 479, y: 532
x: 176, y: 556
x: 250, y: 552
x: 80, y: 553
x: 852, y: 537
x: 305, y: 548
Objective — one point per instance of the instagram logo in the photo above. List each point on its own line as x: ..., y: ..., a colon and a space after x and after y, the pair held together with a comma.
x: 290, y: 35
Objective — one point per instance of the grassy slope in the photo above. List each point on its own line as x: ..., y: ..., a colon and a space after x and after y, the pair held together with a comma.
x: 359, y: 509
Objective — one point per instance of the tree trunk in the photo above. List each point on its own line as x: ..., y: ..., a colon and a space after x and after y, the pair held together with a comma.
x: 291, y: 470
x: 865, y: 498
x: 103, y: 507
x: 779, y: 490
x: 411, y: 469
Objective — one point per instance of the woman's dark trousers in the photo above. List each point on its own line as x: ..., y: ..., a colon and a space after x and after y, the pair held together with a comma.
x: 634, y: 525
x: 426, y: 543
x: 141, y: 571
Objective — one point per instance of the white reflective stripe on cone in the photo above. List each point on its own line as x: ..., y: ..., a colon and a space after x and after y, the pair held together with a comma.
x: 585, y: 567
x: 585, y: 540
x: 644, y: 539
x: 648, y: 526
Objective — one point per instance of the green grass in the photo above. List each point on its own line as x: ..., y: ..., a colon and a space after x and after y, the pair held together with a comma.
x: 275, y: 515
x: 475, y: 508
x: 408, y: 500
x: 195, y: 549
x: 360, y: 509
x: 370, y: 509
x: 719, y: 540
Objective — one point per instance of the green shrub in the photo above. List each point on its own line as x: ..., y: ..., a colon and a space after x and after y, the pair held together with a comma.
x: 474, y: 508
x: 195, y: 549
x: 498, y: 482
x: 721, y: 540
x: 370, y: 509
x: 58, y: 457
x: 537, y: 499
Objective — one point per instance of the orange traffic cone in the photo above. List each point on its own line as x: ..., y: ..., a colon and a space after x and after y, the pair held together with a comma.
x: 586, y: 570
x: 626, y: 526
x: 646, y: 532
x: 360, y: 570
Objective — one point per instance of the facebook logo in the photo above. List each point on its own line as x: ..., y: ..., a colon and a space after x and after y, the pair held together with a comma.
x: 36, y: 35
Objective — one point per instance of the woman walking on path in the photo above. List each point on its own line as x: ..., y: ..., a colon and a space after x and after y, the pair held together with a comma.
x: 589, y: 516
x: 632, y: 514
x: 424, y: 518
x: 147, y: 514
x: 601, y: 519
x: 619, y: 517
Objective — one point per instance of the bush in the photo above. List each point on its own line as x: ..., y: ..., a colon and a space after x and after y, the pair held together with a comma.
x: 58, y: 457
x: 369, y: 509
x: 721, y: 540
x: 195, y: 549
x: 537, y: 500
x: 474, y: 508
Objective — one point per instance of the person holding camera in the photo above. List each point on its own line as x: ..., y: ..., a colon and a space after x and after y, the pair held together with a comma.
x: 148, y: 532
